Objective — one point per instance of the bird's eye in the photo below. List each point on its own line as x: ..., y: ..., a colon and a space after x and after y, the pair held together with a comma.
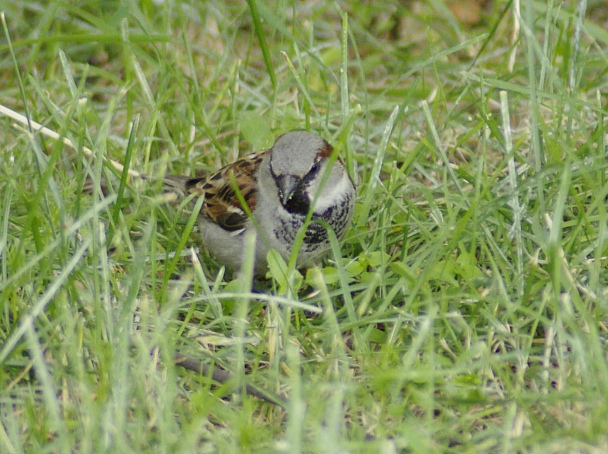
x: 315, y: 168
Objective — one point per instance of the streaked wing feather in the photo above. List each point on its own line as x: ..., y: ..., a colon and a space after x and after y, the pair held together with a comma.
x: 222, y: 204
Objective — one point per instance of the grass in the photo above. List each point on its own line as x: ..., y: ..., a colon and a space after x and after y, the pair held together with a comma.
x: 465, y: 311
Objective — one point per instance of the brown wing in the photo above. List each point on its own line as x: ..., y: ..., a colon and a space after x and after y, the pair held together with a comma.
x: 222, y: 204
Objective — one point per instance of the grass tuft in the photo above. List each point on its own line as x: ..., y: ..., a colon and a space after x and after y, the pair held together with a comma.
x: 466, y: 309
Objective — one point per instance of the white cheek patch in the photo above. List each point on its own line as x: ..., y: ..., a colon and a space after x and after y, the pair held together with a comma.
x: 329, y: 199
x: 237, y: 232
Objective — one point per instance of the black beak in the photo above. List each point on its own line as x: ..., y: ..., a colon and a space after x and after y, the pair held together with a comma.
x: 292, y: 195
x: 288, y: 186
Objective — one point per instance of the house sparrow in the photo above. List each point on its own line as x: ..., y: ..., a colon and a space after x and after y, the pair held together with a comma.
x: 279, y: 185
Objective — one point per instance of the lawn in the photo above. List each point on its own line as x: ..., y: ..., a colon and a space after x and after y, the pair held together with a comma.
x: 466, y: 310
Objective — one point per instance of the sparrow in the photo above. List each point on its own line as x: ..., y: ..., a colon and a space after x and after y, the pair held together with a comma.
x: 279, y: 186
